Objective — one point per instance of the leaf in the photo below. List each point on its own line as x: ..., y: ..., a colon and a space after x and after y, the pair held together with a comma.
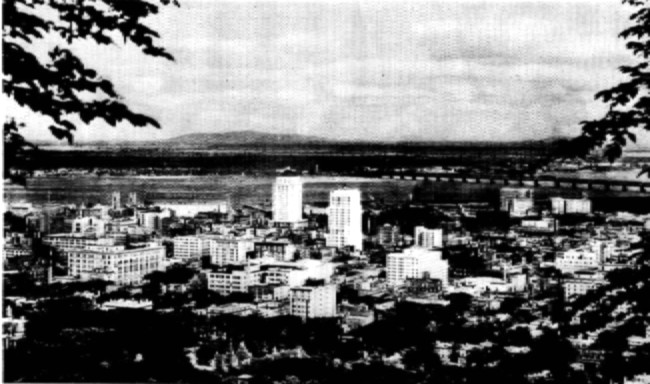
x: 645, y: 170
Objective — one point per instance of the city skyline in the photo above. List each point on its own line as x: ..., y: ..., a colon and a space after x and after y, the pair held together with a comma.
x: 378, y: 70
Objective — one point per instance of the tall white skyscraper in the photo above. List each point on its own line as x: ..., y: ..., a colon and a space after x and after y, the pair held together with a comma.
x: 287, y: 199
x: 344, y: 219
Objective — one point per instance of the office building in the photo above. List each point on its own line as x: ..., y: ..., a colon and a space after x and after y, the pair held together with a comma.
x: 519, y: 202
x: 115, y: 263
x: 231, y: 278
x: 389, y: 235
x: 89, y: 225
x: 561, y: 206
x: 428, y: 238
x: 280, y: 250
x: 344, y: 219
x: 416, y: 263
x: 287, y: 199
x: 582, y: 282
x: 190, y: 247
x: 507, y: 194
x: 133, y: 199
x: 116, y: 201
x: 577, y: 259
x: 152, y: 220
x: 229, y: 249
x: 297, y: 273
x: 66, y: 241
x: 313, y: 301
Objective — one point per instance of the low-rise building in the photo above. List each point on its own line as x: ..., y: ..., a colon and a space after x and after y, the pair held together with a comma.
x: 577, y: 259
x: 581, y: 283
x: 190, y: 247
x: 115, y: 263
x: 280, y: 250
x: 416, y: 263
x: 231, y: 278
x: 561, y: 206
x: 313, y: 301
x: 229, y: 249
x: 269, y: 292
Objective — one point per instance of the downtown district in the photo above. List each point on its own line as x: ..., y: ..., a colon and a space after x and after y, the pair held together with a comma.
x: 508, y: 270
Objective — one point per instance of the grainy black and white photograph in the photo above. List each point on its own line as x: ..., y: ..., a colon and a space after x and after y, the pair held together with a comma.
x: 326, y: 192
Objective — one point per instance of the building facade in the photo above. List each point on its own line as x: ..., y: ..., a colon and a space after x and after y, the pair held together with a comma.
x: 416, y: 263
x: 308, y: 302
x: 278, y: 250
x: 582, y: 283
x: 229, y: 250
x: 287, y: 199
x: 227, y: 279
x: 508, y: 194
x: 561, y: 206
x: 389, y: 235
x: 577, y: 259
x: 115, y: 263
x: 190, y: 247
x: 428, y: 238
x: 344, y: 219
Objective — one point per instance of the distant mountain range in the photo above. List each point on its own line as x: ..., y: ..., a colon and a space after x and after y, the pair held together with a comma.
x: 255, y: 138
x: 245, y: 137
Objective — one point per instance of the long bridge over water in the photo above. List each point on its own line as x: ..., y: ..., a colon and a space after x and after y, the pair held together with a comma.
x: 524, y: 181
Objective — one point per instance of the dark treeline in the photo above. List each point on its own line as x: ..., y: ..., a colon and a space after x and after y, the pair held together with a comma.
x: 328, y: 158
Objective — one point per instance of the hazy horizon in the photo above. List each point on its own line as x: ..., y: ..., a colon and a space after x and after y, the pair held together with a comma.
x: 378, y: 71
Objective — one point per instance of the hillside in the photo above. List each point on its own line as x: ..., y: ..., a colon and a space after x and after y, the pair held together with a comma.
x: 244, y: 137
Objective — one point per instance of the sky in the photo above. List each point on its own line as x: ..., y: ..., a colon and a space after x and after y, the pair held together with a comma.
x: 370, y: 70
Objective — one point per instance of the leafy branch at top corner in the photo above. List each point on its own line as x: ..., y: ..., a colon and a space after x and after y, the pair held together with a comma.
x: 629, y: 101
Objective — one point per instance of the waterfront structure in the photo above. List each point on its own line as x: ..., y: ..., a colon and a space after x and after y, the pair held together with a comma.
x: 190, y: 247
x: 287, y: 199
x: 561, y: 206
x: 416, y: 263
x: 428, y: 238
x: 521, y: 207
x: 517, y: 201
x: 507, y: 194
x: 344, y: 219
x: 115, y: 263
x: 313, y: 301
x: 193, y: 209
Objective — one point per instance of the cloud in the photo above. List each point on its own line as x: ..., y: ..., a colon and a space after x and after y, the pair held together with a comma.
x: 385, y: 70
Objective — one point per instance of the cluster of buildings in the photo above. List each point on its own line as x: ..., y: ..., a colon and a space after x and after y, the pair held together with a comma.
x: 290, y: 258
x: 521, y: 202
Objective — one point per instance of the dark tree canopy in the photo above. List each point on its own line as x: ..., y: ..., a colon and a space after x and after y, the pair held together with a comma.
x: 60, y: 86
x: 629, y: 101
